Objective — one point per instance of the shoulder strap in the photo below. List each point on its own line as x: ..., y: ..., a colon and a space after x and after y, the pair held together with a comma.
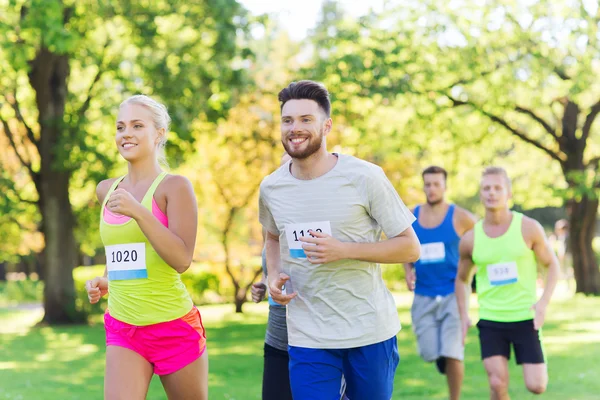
x: 150, y: 193
x: 416, y: 213
x: 112, y: 189
x: 449, y: 214
x: 516, y: 224
x: 478, y: 233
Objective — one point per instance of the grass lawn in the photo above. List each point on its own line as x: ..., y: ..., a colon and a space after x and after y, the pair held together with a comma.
x: 68, y: 362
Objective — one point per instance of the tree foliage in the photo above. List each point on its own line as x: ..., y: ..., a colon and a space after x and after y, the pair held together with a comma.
x: 66, y: 65
x: 233, y: 161
x: 444, y: 70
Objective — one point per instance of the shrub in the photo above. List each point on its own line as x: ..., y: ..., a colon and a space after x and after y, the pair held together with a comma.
x: 206, y: 283
x: 80, y: 276
x: 393, y: 275
x: 199, y: 283
x: 21, y: 291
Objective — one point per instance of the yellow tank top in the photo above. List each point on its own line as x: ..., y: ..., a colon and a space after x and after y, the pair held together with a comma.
x: 506, y: 274
x: 143, y: 288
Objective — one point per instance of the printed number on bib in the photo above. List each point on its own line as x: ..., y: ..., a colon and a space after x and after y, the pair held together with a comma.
x: 295, y: 231
x: 126, y: 261
x: 503, y: 273
x: 432, y: 253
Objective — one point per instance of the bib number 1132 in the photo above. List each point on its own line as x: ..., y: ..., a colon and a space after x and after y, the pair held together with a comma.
x: 294, y: 232
x: 301, y: 233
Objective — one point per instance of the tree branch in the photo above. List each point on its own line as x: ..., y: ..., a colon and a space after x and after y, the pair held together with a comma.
x: 488, y: 72
x: 464, y: 81
x: 11, y: 139
x: 7, y: 187
x: 561, y: 73
x: 221, y: 190
x: 17, y: 109
x: 557, y: 69
x: 538, y: 119
x: 506, y: 125
x: 225, y: 231
x: 250, y: 195
x: 257, y: 273
x: 86, y: 104
x: 594, y: 163
x: 225, y: 243
x: 20, y: 225
x: 22, y: 200
x: 589, y: 120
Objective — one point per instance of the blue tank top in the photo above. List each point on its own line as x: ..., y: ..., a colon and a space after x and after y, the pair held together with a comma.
x: 437, y: 267
x: 264, y: 268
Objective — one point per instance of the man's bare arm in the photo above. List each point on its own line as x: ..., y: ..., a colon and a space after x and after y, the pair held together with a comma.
x: 464, y: 221
x: 463, y: 276
x: 276, y: 279
x: 545, y: 256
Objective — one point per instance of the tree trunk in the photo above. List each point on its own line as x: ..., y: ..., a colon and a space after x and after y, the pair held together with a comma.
x: 582, y: 230
x: 582, y: 208
x: 39, y: 266
x: 240, y: 299
x: 3, y: 271
x: 48, y: 77
x: 60, y: 252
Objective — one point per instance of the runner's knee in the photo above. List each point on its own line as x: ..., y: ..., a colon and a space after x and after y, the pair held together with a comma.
x: 498, y: 383
x: 536, y: 387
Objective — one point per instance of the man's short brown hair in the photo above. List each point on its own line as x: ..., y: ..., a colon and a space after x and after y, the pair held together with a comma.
x: 308, y: 90
x: 434, y: 169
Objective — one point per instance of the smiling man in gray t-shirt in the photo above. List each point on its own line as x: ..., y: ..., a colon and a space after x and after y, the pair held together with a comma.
x: 324, y: 215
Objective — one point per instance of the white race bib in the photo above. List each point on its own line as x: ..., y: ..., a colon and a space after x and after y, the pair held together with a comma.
x: 126, y: 261
x: 503, y: 273
x: 294, y: 232
x: 432, y: 253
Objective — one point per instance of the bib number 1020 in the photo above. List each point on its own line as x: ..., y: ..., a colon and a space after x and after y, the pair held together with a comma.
x: 126, y: 261
x: 295, y: 233
x: 124, y: 256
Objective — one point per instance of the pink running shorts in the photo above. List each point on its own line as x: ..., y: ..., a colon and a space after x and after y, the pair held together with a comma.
x: 168, y: 346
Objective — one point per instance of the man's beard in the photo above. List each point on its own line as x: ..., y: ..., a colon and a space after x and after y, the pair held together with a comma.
x: 314, y: 144
x: 434, y: 202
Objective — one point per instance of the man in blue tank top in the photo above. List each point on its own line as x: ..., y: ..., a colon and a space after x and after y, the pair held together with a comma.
x: 435, y: 316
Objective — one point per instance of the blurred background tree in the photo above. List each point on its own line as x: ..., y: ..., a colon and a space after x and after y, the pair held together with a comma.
x: 413, y: 83
x: 65, y: 67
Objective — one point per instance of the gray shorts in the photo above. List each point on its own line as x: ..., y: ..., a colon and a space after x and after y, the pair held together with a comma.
x: 436, y: 323
x: 276, y: 335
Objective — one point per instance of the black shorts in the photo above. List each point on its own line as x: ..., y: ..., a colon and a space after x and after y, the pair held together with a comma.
x: 276, y: 375
x: 496, y: 338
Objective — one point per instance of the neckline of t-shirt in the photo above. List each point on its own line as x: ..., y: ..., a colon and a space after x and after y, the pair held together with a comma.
x: 288, y: 170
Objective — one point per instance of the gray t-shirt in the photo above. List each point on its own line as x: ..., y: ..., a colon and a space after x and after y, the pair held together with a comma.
x: 342, y: 304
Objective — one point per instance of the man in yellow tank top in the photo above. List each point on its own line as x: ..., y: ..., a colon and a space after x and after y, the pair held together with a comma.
x: 506, y: 248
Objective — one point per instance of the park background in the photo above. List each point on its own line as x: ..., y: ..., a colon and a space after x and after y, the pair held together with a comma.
x: 463, y: 84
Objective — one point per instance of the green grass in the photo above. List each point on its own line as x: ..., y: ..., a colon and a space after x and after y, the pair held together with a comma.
x: 68, y: 362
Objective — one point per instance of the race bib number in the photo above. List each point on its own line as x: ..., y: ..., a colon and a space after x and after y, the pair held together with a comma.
x: 295, y: 231
x: 432, y: 253
x: 503, y: 273
x: 126, y: 261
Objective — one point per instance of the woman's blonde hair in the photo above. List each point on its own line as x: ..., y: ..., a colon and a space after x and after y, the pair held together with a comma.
x: 160, y: 118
